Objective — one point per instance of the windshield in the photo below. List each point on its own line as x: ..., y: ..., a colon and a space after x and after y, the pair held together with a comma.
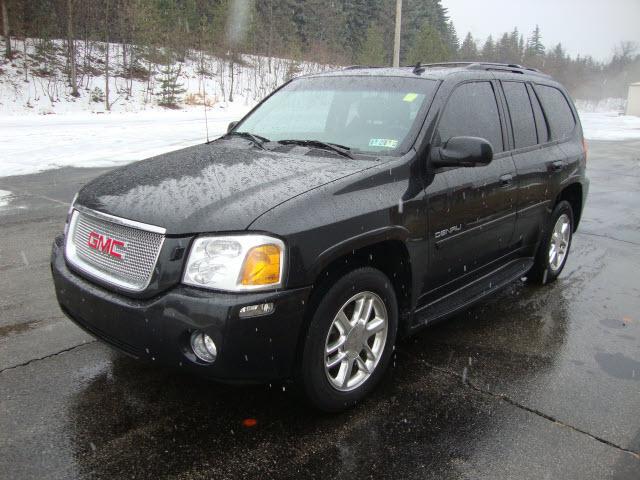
x: 367, y: 114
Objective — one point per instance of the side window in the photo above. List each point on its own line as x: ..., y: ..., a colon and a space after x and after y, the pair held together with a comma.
x: 541, y: 123
x: 472, y: 111
x: 522, y: 120
x: 559, y: 114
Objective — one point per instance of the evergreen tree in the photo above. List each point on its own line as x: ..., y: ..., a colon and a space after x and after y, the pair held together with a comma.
x: 534, y: 51
x: 535, y: 46
x: 428, y: 47
x: 469, y: 49
x: 374, y: 50
x: 489, y: 50
x: 170, y: 88
x: 452, y: 41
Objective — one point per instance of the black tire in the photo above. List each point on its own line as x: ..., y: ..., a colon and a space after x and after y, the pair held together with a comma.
x: 313, y: 377
x: 542, y: 271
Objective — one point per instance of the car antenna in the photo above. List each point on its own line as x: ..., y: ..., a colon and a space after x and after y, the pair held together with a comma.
x: 204, y: 102
x: 418, y: 68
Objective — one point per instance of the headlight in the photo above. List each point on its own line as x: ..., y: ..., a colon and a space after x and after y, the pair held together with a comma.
x: 235, y: 263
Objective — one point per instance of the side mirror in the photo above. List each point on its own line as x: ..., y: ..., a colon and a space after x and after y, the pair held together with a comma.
x: 231, y: 126
x: 462, y: 152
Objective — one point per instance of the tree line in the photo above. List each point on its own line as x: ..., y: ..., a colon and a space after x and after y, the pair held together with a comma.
x: 155, y: 33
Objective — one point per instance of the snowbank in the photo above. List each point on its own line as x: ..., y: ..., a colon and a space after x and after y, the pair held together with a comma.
x: 610, y: 126
x: 34, y: 143
x: 4, y: 198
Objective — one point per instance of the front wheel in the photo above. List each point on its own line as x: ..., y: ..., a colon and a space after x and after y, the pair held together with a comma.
x: 554, y: 247
x: 350, y: 340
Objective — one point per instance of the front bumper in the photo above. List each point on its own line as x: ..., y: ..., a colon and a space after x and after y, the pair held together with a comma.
x: 158, y: 329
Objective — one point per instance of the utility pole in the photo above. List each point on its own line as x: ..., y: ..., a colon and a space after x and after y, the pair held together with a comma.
x: 5, y: 29
x: 396, y: 40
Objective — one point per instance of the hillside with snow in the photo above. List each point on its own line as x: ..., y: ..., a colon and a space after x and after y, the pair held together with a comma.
x: 42, y: 126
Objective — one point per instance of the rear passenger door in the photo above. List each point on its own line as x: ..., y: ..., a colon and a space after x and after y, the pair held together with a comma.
x: 528, y: 132
x: 471, y: 225
x: 562, y: 128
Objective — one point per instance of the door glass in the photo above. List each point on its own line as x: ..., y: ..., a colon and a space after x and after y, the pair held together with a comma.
x: 522, y: 121
x: 472, y: 111
x: 541, y: 123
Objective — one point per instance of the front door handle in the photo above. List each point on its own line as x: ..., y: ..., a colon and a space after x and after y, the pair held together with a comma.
x: 557, y: 166
x: 506, y: 180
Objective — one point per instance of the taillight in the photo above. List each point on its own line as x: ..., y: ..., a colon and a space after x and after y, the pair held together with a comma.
x: 585, y: 148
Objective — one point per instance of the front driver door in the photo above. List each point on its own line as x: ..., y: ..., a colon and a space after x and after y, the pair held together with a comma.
x: 471, y: 220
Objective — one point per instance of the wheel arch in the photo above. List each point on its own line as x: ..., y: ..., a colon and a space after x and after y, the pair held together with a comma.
x: 572, y: 193
x: 385, y: 250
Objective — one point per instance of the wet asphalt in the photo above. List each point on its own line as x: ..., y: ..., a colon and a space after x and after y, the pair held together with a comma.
x: 535, y: 382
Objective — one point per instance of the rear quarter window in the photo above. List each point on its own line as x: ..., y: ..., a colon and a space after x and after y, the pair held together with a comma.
x: 557, y: 110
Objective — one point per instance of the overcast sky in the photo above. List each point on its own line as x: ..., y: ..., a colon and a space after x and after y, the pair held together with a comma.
x: 587, y: 27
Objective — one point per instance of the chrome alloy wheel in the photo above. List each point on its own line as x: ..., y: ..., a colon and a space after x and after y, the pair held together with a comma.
x: 355, y: 341
x: 559, y: 244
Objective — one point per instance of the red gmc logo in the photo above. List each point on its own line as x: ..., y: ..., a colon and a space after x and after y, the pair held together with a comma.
x: 106, y: 245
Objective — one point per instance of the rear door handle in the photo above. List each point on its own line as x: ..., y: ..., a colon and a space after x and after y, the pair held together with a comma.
x: 557, y: 166
x: 506, y: 180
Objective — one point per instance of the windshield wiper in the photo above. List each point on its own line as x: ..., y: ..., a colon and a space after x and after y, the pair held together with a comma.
x: 257, y: 140
x: 334, y: 147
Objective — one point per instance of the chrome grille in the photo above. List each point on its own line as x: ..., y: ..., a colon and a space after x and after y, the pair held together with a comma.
x: 134, y: 269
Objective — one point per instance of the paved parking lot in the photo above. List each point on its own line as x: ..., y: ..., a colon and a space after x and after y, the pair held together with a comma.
x: 537, y: 382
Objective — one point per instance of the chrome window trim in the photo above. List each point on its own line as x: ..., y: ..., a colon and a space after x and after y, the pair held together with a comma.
x: 74, y: 260
x: 121, y: 221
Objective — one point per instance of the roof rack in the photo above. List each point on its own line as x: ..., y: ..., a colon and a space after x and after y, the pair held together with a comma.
x: 356, y: 67
x: 509, y: 67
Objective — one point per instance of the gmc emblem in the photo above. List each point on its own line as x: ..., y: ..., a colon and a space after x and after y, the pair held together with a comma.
x: 106, y: 245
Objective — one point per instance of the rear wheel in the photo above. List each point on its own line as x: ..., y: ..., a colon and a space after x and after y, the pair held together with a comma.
x: 554, y: 248
x: 350, y: 340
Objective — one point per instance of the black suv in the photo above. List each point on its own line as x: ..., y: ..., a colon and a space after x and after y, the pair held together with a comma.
x: 347, y: 209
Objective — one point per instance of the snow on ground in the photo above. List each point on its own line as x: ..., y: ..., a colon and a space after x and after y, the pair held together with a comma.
x: 39, y: 142
x: 610, y: 126
x: 4, y: 197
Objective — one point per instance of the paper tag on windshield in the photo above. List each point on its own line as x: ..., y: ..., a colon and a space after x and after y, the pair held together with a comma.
x: 383, y: 142
x: 410, y: 97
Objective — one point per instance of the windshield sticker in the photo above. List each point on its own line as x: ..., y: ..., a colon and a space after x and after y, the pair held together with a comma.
x: 410, y: 97
x: 383, y: 142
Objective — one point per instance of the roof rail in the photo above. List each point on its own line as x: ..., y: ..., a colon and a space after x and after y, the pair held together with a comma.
x: 510, y: 67
x: 356, y: 67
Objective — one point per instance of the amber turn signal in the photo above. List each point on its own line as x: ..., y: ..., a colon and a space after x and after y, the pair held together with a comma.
x: 261, y: 266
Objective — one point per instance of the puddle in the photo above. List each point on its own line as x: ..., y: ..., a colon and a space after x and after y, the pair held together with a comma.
x: 619, y: 366
x: 612, y: 323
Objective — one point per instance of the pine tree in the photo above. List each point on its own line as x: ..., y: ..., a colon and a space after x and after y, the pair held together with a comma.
x: 373, y: 51
x: 489, y: 50
x: 469, y: 49
x: 428, y: 47
x: 170, y: 88
x: 534, y: 51
x: 452, y: 41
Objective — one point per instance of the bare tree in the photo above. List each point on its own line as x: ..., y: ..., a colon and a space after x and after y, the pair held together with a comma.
x: 71, y: 45
x: 5, y: 28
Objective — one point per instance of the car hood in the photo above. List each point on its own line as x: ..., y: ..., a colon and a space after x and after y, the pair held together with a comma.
x: 221, y: 186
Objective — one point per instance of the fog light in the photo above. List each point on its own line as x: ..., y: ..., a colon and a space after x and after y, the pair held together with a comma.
x: 204, y: 347
x: 257, y: 310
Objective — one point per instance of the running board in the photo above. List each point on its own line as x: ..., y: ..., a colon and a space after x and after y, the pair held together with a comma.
x: 471, y: 293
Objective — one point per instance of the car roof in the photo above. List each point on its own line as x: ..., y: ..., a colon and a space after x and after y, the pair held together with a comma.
x: 436, y: 71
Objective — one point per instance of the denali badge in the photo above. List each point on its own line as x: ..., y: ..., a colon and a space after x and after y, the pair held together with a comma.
x: 106, y: 245
x: 447, y: 231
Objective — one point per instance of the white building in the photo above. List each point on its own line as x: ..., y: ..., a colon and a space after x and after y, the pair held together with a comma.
x: 633, y: 101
